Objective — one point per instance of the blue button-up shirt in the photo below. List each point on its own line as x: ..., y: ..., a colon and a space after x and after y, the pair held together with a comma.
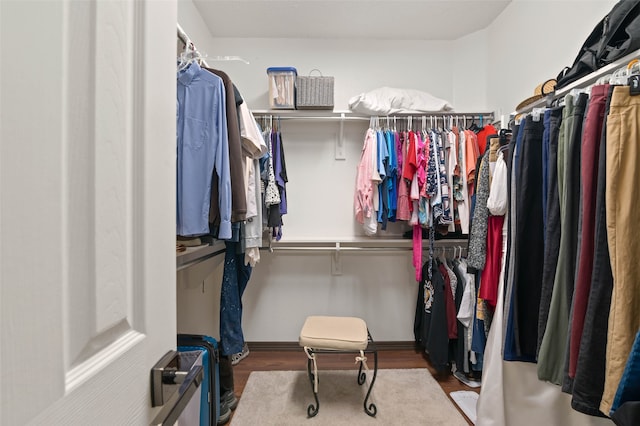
x: 203, y: 146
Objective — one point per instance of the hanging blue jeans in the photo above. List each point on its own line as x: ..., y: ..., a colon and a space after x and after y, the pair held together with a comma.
x: 234, y: 281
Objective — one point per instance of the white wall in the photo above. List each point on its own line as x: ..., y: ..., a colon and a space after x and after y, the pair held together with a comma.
x: 356, y: 65
x: 286, y: 287
x: 471, y: 57
x: 191, y: 21
x: 531, y: 41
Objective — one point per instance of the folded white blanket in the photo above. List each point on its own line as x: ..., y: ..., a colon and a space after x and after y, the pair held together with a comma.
x: 388, y: 101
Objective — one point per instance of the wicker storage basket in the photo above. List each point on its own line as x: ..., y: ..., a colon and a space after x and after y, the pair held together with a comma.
x: 314, y: 92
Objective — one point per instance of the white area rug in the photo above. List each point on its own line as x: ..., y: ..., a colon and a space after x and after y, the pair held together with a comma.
x: 403, y: 397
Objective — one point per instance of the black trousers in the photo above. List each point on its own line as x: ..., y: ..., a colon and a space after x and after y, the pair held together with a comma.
x: 529, y: 238
x: 588, y: 384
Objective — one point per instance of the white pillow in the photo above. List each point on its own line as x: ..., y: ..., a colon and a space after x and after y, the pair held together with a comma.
x: 387, y: 101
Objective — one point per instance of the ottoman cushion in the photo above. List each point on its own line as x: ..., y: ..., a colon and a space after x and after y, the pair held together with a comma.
x: 337, y: 333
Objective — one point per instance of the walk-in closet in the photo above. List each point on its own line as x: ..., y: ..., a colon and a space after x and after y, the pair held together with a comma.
x: 457, y: 176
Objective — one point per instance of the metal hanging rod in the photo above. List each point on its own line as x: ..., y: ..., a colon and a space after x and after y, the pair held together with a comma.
x: 338, y: 248
x: 364, y: 249
x: 364, y: 245
x: 182, y: 35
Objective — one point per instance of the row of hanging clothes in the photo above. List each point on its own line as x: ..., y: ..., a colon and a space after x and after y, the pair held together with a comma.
x: 273, y: 177
x: 231, y: 183
x: 231, y: 174
x: 476, y: 304
x: 487, y: 231
x: 420, y: 172
x: 571, y: 298
x: 424, y: 172
x: 445, y: 325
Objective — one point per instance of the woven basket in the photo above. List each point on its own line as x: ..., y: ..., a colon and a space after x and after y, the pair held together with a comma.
x: 314, y: 92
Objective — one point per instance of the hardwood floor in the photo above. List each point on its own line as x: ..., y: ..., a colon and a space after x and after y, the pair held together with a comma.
x: 265, y: 360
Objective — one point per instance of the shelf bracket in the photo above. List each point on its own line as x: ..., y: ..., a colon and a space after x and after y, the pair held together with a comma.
x: 336, y: 261
x: 340, y: 155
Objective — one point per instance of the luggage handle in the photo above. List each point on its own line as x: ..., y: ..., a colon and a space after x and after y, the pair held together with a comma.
x: 173, y: 401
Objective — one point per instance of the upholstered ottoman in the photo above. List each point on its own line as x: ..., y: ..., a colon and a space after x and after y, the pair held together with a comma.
x: 329, y: 334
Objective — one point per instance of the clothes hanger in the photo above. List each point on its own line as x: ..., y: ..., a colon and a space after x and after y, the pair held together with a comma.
x: 187, y: 56
x: 633, y: 79
x: 633, y: 67
x: 619, y: 76
x: 504, y: 135
x: 537, y: 112
x: 473, y: 126
x: 605, y: 79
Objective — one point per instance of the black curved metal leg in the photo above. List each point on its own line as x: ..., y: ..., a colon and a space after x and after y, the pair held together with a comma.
x: 371, y: 409
x: 312, y: 410
x: 362, y: 376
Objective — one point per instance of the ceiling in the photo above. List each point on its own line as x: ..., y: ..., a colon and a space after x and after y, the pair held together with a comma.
x: 352, y: 19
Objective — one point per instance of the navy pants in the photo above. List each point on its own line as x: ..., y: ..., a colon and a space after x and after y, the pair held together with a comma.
x: 552, y: 227
x: 234, y: 281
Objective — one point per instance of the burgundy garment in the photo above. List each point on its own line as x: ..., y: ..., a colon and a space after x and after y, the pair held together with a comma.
x: 450, y: 306
x: 591, y: 137
x: 491, y: 273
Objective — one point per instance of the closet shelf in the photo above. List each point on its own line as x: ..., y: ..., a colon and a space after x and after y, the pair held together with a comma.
x: 582, y: 82
x: 345, y: 115
x: 194, y: 255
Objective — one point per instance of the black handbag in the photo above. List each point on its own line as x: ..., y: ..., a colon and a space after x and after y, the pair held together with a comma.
x: 615, y: 36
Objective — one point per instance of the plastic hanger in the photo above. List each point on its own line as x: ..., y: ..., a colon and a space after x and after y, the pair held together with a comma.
x: 473, y: 126
x: 185, y: 60
x: 537, y: 112
x: 633, y: 67
x: 603, y: 80
x: 619, y: 76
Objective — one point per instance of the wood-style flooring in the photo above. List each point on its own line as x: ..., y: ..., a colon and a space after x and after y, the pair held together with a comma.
x: 265, y: 360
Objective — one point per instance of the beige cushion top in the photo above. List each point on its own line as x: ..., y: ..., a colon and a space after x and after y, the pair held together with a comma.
x: 339, y: 333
